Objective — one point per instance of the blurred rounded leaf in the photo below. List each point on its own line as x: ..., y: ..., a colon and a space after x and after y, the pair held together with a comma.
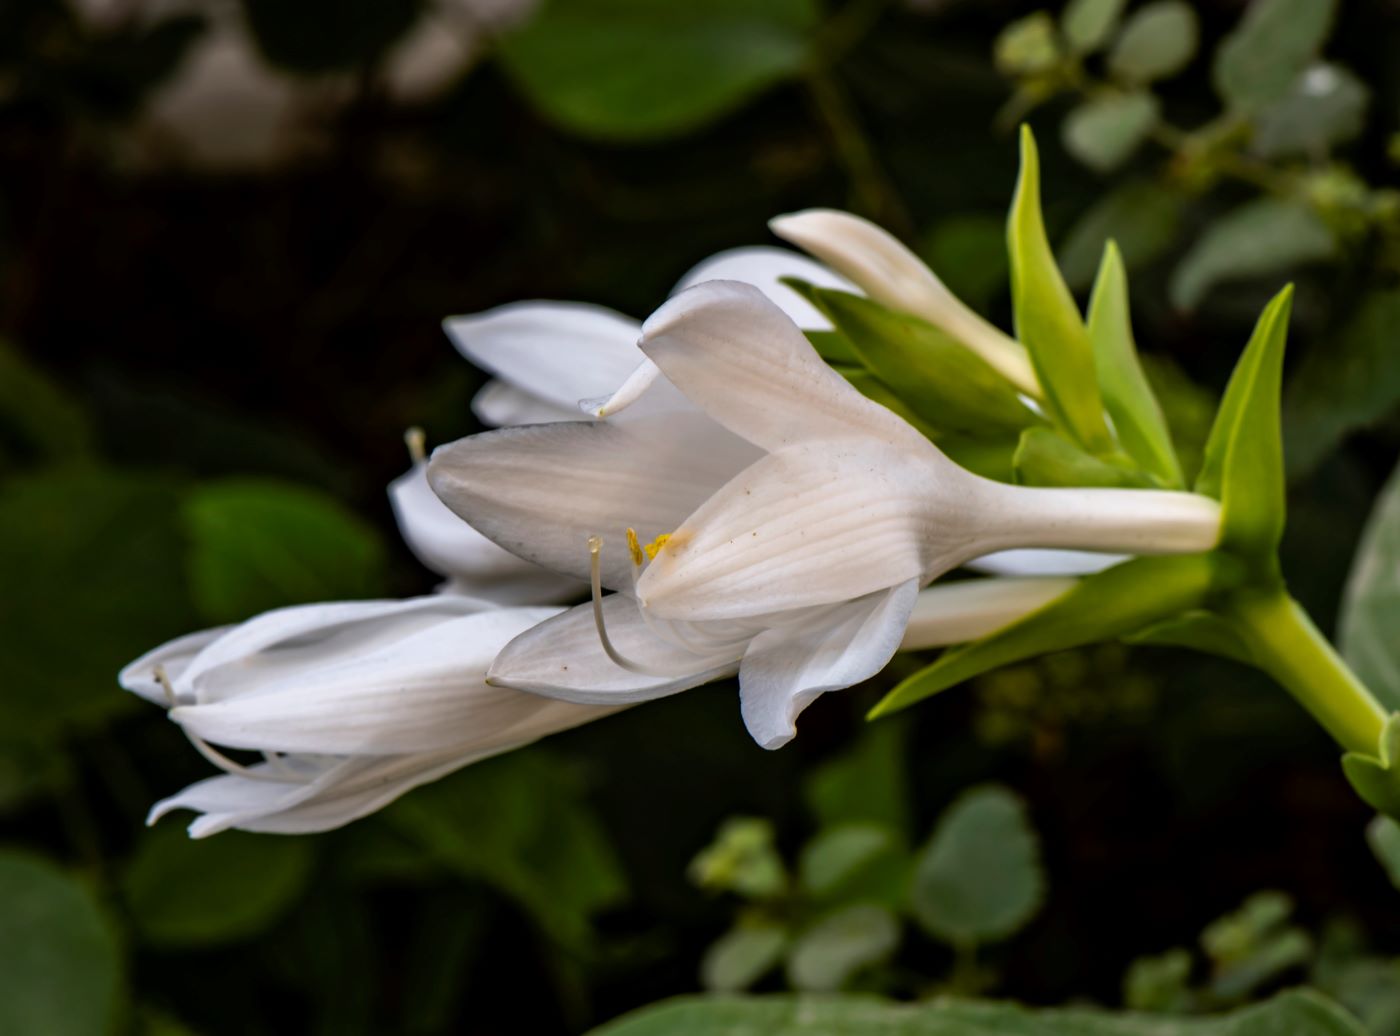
x: 1267, y: 236
x: 92, y: 578
x: 257, y: 544
x: 1275, y: 41
x: 1027, y: 46
x: 1087, y: 24
x: 831, y: 952
x: 979, y: 878
x: 743, y: 858
x: 60, y: 963
x: 1383, y: 836
x: 1104, y: 132
x: 1142, y: 217
x: 641, y: 69
x: 969, y: 255
x: 1325, y: 106
x: 1159, y: 40
x: 838, y: 854
x: 742, y: 956
x: 318, y: 36
x: 1370, y: 615
x: 187, y: 892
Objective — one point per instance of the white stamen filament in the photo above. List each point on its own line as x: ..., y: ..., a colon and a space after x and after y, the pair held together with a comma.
x: 211, y: 753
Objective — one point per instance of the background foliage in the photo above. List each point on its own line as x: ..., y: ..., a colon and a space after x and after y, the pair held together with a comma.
x: 210, y: 351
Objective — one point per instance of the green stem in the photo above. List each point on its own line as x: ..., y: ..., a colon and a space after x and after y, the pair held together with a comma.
x: 1292, y: 650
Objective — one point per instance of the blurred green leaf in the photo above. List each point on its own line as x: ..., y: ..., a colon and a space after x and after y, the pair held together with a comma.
x: 979, y: 878
x: 314, y: 37
x: 60, y: 962
x: 1298, y: 1013
x: 742, y: 956
x: 39, y: 422
x: 1159, y: 40
x: 1352, y: 383
x: 1370, y: 615
x: 1274, y: 42
x: 638, y: 69
x: 837, y: 856
x: 1160, y: 983
x: 187, y: 892
x: 1113, y: 603
x: 1254, y: 946
x: 1264, y: 237
x: 1027, y: 46
x: 1325, y: 106
x: 1046, y: 458
x: 866, y: 782
x: 93, y: 578
x: 743, y: 858
x: 1048, y: 322
x: 519, y: 823
x: 1243, y: 464
x: 1105, y: 131
x: 1142, y: 217
x: 1383, y: 836
x: 1087, y: 24
x: 258, y: 544
x: 1137, y: 417
x: 968, y: 253
x: 830, y: 953
x: 947, y: 384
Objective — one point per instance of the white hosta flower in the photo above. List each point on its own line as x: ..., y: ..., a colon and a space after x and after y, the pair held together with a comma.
x: 812, y: 520
x: 349, y: 704
x: 782, y: 667
x: 891, y: 274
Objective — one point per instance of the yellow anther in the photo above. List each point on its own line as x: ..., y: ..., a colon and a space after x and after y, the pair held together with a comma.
x: 633, y: 547
x: 417, y: 443
x: 654, y: 547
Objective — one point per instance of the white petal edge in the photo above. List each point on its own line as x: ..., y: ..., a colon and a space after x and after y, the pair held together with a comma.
x: 1032, y: 561
x: 764, y: 267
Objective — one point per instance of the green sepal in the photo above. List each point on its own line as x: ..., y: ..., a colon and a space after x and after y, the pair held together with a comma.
x: 1046, y: 458
x: 1243, y: 462
x: 1377, y: 778
x: 934, y: 374
x: 834, y: 347
x: 990, y: 458
x: 1048, y: 322
x: 1109, y: 604
x: 872, y: 388
x: 1137, y: 416
x: 1201, y: 631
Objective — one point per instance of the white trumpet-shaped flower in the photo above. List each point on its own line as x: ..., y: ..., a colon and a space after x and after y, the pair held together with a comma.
x: 349, y: 706
x: 787, y: 512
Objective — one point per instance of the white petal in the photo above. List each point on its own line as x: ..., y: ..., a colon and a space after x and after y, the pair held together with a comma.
x: 564, y: 658
x: 739, y: 358
x: 422, y: 692
x: 542, y: 491
x: 1033, y: 561
x: 764, y: 268
x: 561, y: 352
x: 814, y: 525
x: 501, y: 404
x: 452, y: 548
x: 953, y: 613
x: 174, y: 656
x: 785, y: 670
x: 893, y: 275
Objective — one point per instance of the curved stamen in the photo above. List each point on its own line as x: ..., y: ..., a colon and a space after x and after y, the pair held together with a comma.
x: 662, y: 629
x: 211, y: 753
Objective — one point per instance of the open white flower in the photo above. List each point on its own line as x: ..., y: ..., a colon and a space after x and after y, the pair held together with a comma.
x: 812, y: 520
x: 350, y: 705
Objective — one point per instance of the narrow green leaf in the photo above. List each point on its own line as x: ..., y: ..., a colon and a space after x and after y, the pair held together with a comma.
x: 1137, y: 417
x: 934, y: 375
x: 1274, y: 42
x: 1260, y: 238
x: 1104, y: 132
x: 1108, y: 604
x: 1243, y: 464
x: 834, y: 348
x: 1200, y: 631
x: 1048, y: 322
x: 979, y: 878
x: 1370, y: 620
x: 1087, y: 24
x: 1159, y: 40
x: 1047, y: 458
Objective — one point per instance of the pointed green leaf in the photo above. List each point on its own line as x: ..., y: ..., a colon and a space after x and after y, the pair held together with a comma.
x: 833, y: 347
x: 936, y: 376
x: 1048, y: 322
x: 1200, y: 631
x: 1137, y: 417
x: 1243, y: 465
x: 1047, y: 458
x: 1108, y: 604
